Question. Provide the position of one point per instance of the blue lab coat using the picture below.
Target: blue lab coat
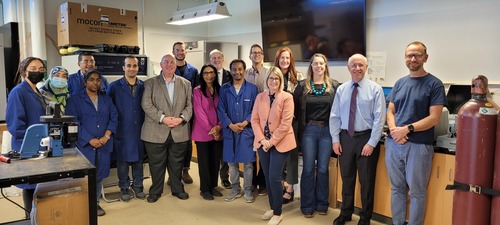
(93, 124)
(128, 146)
(236, 108)
(77, 84)
(24, 109)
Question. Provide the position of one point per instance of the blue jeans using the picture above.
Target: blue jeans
(122, 169)
(316, 150)
(408, 165)
(234, 176)
(272, 163)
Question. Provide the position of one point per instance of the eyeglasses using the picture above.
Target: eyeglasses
(93, 80)
(257, 53)
(208, 73)
(274, 78)
(417, 56)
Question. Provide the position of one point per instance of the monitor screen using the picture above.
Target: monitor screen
(386, 90)
(335, 28)
(457, 95)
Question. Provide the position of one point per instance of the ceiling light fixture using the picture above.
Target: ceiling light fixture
(211, 11)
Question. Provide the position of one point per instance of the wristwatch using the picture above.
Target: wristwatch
(411, 128)
(183, 119)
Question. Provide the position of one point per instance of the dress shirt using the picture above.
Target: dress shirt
(257, 77)
(370, 110)
(220, 73)
(170, 89)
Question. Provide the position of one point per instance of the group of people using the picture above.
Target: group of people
(109, 117)
(233, 115)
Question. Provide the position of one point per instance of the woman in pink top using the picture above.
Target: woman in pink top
(272, 117)
(207, 131)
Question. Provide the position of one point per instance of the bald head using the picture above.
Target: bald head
(357, 57)
(357, 66)
(168, 65)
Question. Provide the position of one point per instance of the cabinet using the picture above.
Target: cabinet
(439, 201)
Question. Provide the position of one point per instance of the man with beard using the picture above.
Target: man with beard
(126, 94)
(189, 72)
(86, 63)
(415, 105)
(234, 111)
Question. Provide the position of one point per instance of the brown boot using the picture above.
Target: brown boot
(186, 177)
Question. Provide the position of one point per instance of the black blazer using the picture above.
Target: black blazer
(226, 76)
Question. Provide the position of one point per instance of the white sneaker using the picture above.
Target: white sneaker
(275, 220)
(268, 215)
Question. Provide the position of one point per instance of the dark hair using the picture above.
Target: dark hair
(177, 43)
(255, 46)
(203, 84)
(89, 73)
(82, 54)
(129, 57)
(23, 66)
(237, 61)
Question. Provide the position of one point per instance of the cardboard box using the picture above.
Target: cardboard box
(62, 202)
(80, 24)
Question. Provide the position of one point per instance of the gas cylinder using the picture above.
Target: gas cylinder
(495, 201)
(475, 150)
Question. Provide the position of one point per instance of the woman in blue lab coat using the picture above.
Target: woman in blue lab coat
(25, 105)
(97, 120)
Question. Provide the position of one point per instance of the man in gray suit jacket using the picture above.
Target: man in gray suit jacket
(167, 105)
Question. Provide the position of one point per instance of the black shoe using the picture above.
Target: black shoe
(226, 184)
(153, 198)
(207, 195)
(181, 196)
(262, 190)
(288, 200)
(186, 177)
(216, 193)
(341, 220)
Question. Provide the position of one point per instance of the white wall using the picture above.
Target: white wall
(459, 34)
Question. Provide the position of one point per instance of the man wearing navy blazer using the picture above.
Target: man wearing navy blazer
(167, 106)
(189, 72)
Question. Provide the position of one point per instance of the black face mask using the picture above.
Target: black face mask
(36, 77)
